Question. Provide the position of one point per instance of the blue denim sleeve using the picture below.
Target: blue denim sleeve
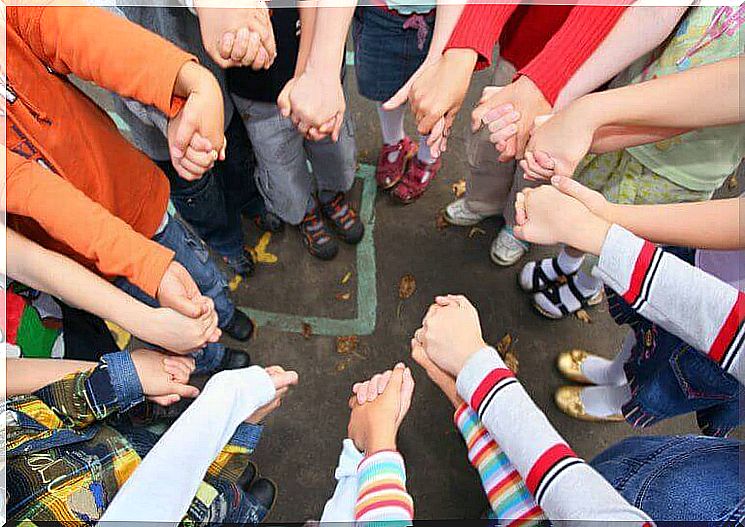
(124, 379)
(247, 435)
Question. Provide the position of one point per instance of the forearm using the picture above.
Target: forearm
(478, 29)
(25, 376)
(712, 92)
(307, 9)
(329, 35)
(447, 18)
(638, 31)
(563, 485)
(705, 225)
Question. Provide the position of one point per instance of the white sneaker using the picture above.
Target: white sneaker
(506, 250)
(459, 213)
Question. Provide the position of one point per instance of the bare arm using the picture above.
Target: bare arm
(447, 18)
(26, 376)
(307, 9)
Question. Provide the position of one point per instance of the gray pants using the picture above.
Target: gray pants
(283, 175)
(491, 186)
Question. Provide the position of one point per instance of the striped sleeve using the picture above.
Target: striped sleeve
(563, 485)
(381, 490)
(508, 496)
(700, 309)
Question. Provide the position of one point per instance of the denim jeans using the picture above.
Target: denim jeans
(680, 481)
(212, 205)
(192, 253)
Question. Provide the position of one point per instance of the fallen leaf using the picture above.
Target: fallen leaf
(474, 231)
(235, 282)
(307, 331)
(343, 297)
(584, 316)
(346, 345)
(440, 222)
(459, 188)
(504, 345)
(341, 366)
(346, 278)
(406, 286)
(260, 254)
(732, 182)
(510, 360)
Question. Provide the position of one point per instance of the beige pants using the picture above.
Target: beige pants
(491, 186)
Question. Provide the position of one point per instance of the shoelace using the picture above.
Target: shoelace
(314, 226)
(343, 214)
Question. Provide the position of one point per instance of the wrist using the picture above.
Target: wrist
(193, 78)
(589, 112)
(380, 439)
(463, 59)
(590, 234)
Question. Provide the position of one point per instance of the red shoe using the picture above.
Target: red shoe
(388, 174)
(416, 181)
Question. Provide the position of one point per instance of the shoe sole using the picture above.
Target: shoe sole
(461, 223)
(504, 263)
(595, 300)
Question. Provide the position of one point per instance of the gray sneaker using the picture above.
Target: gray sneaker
(459, 213)
(506, 250)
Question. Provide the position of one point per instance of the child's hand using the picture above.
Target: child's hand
(373, 426)
(450, 333)
(546, 216)
(178, 291)
(527, 103)
(283, 380)
(443, 380)
(164, 378)
(180, 334)
(501, 121)
(315, 103)
(199, 156)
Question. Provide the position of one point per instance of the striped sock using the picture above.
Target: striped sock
(508, 496)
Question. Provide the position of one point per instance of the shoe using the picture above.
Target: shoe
(416, 180)
(533, 279)
(317, 237)
(262, 495)
(568, 400)
(460, 214)
(247, 476)
(387, 173)
(242, 265)
(269, 222)
(343, 219)
(569, 364)
(240, 326)
(559, 302)
(234, 360)
(506, 250)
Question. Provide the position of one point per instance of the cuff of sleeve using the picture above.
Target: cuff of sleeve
(465, 419)
(479, 28)
(476, 370)
(124, 379)
(619, 256)
(247, 436)
(166, 101)
(385, 461)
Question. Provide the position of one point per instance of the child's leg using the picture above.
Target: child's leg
(604, 401)
(392, 126)
(602, 371)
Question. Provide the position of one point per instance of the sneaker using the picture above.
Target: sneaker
(343, 219)
(506, 250)
(242, 265)
(269, 222)
(387, 173)
(459, 213)
(416, 181)
(240, 326)
(317, 237)
(234, 360)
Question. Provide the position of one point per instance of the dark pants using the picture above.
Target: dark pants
(678, 481)
(213, 204)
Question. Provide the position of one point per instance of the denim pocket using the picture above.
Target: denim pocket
(700, 378)
(202, 204)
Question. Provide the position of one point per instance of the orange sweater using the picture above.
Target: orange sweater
(74, 184)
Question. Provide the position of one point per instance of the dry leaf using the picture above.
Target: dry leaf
(406, 286)
(732, 182)
(474, 231)
(584, 316)
(440, 222)
(235, 282)
(346, 278)
(459, 188)
(341, 366)
(510, 360)
(504, 345)
(307, 331)
(346, 345)
(343, 297)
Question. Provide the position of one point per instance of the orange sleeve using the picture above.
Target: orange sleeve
(101, 47)
(69, 216)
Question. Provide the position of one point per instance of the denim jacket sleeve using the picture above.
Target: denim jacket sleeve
(234, 457)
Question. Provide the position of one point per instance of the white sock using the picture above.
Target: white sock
(603, 401)
(424, 154)
(392, 127)
(604, 372)
(588, 285)
(567, 263)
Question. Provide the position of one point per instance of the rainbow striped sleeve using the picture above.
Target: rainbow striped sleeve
(508, 496)
(381, 490)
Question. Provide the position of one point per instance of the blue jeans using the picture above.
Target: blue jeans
(685, 480)
(191, 252)
(212, 205)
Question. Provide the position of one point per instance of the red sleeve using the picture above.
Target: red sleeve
(479, 28)
(583, 31)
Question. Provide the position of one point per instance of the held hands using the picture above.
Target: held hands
(283, 381)
(443, 380)
(164, 379)
(315, 102)
(180, 334)
(378, 409)
(178, 291)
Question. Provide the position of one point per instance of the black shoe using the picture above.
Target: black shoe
(343, 219)
(263, 493)
(248, 476)
(234, 360)
(243, 264)
(240, 326)
(269, 222)
(317, 237)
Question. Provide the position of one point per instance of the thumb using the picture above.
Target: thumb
(572, 188)
(186, 306)
(541, 120)
(184, 390)
(399, 98)
(397, 379)
(284, 379)
(477, 116)
(184, 132)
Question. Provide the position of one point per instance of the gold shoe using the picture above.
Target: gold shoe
(568, 400)
(569, 364)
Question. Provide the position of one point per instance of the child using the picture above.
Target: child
(316, 201)
(685, 168)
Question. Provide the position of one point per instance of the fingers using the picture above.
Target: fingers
(521, 216)
(509, 150)
(399, 98)
(165, 400)
(284, 379)
(427, 122)
(396, 381)
(535, 168)
(226, 45)
(417, 353)
(184, 390)
(374, 387)
(283, 101)
(488, 92)
(541, 120)
(241, 45)
(337, 127)
(407, 393)
(501, 135)
(184, 132)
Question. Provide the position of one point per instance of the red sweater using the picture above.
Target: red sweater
(546, 43)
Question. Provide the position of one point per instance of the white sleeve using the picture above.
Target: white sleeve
(162, 488)
(340, 508)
